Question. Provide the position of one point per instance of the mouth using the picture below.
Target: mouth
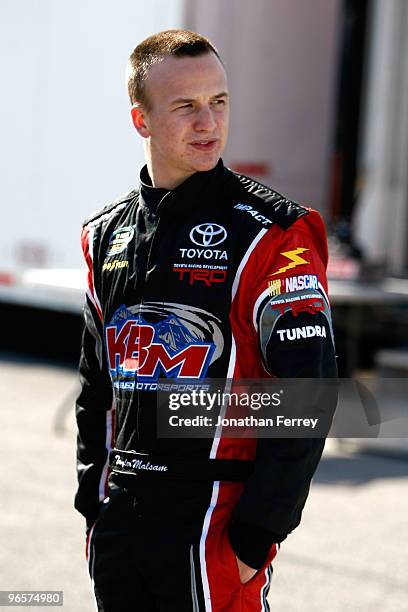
(204, 145)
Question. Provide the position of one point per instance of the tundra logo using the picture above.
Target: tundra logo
(309, 331)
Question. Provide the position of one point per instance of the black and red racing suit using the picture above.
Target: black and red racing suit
(181, 285)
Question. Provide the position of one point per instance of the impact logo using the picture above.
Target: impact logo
(255, 213)
(151, 341)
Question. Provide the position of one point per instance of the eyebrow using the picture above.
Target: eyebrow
(222, 94)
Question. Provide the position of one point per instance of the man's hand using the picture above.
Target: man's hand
(245, 572)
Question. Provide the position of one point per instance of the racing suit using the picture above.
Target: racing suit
(181, 285)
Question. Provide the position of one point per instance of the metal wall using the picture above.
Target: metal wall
(281, 59)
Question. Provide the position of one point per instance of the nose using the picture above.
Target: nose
(204, 119)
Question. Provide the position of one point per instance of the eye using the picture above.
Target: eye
(218, 102)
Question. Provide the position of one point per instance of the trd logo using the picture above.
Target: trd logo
(311, 306)
(208, 277)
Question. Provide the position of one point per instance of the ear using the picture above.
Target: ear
(138, 120)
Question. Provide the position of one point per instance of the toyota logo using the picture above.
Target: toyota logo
(208, 234)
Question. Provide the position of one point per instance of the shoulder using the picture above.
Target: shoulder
(265, 205)
(109, 211)
(288, 225)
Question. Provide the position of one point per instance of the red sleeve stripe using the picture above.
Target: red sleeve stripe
(87, 240)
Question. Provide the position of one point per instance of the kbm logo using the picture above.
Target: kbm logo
(147, 351)
(208, 234)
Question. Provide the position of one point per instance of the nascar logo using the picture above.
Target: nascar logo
(304, 281)
(293, 283)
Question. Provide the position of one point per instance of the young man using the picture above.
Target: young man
(183, 274)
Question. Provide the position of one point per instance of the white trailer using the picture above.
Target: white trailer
(67, 144)
(381, 219)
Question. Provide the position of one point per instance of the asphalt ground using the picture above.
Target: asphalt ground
(350, 553)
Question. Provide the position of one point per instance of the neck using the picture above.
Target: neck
(162, 180)
(159, 177)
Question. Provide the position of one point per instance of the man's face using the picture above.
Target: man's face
(187, 121)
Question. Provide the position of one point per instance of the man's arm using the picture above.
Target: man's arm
(275, 494)
(94, 411)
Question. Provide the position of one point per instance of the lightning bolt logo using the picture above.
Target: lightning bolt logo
(295, 260)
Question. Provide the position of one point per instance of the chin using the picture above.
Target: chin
(207, 164)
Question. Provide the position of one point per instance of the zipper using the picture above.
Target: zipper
(159, 206)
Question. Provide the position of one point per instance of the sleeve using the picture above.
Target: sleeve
(291, 317)
(94, 406)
